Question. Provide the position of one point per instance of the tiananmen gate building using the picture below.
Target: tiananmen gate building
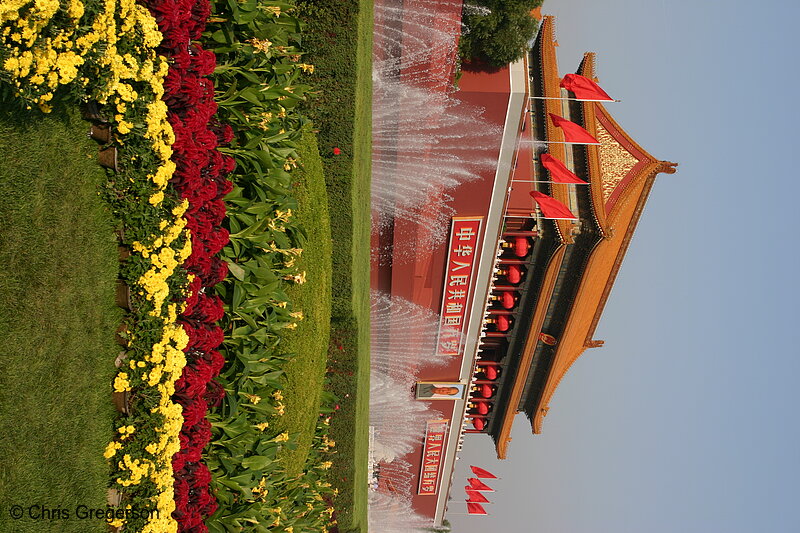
(519, 294)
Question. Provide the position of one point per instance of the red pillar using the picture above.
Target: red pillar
(521, 233)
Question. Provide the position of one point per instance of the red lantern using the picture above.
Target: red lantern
(521, 246)
(491, 372)
(502, 323)
(514, 274)
(507, 300)
(478, 424)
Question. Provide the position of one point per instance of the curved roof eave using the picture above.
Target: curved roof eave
(528, 350)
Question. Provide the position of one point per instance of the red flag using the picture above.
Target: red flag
(475, 497)
(572, 132)
(552, 208)
(558, 170)
(477, 484)
(475, 508)
(584, 88)
(480, 472)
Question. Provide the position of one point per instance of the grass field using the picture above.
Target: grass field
(57, 315)
(339, 36)
(309, 342)
(57, 321)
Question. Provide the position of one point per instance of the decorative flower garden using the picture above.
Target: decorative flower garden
(195, 103)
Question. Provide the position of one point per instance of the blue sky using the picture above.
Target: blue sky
(686, 419)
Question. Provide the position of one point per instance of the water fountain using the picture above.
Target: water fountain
(426, 144)
(392, 514)
(425, 141)
(403, 341)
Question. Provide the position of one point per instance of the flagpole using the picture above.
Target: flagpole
(563, 142)
(537, 216)
(562, 182)
(569, 99)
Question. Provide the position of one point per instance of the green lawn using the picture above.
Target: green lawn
(57, 320)
(339, 38)
(309, 342)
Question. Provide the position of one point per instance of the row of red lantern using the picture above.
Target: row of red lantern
(501, 319)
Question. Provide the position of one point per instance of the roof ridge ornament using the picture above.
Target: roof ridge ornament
(668, 167)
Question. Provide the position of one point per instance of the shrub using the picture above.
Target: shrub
(497, 32)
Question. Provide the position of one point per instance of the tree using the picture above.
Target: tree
(497, 31)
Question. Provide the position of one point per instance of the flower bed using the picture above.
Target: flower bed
(167, 193)
(105, 51)
(259, 84)
(200, 179)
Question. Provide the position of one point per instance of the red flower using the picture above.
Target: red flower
(181, 494)
(204, 62)
(337, 151)
(202, 476)
(217, 272)
(217, 361)
(194, 412)
(215, 393)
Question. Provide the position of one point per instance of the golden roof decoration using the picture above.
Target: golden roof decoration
(615, 161)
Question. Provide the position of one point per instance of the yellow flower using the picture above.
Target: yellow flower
(261, 45)
(121, 383)
(157, 198)
(111, 449)
(124, 127)
(283, 437)
(254, 398)
(297, 278)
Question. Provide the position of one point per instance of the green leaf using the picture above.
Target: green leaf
(256, 462)
(238, 295)
(236, 270)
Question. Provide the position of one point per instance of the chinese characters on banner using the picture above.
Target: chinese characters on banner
(461, 258)
(432, 456)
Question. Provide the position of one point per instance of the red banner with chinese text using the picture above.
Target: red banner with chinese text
(462, 257)
(435, 437)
